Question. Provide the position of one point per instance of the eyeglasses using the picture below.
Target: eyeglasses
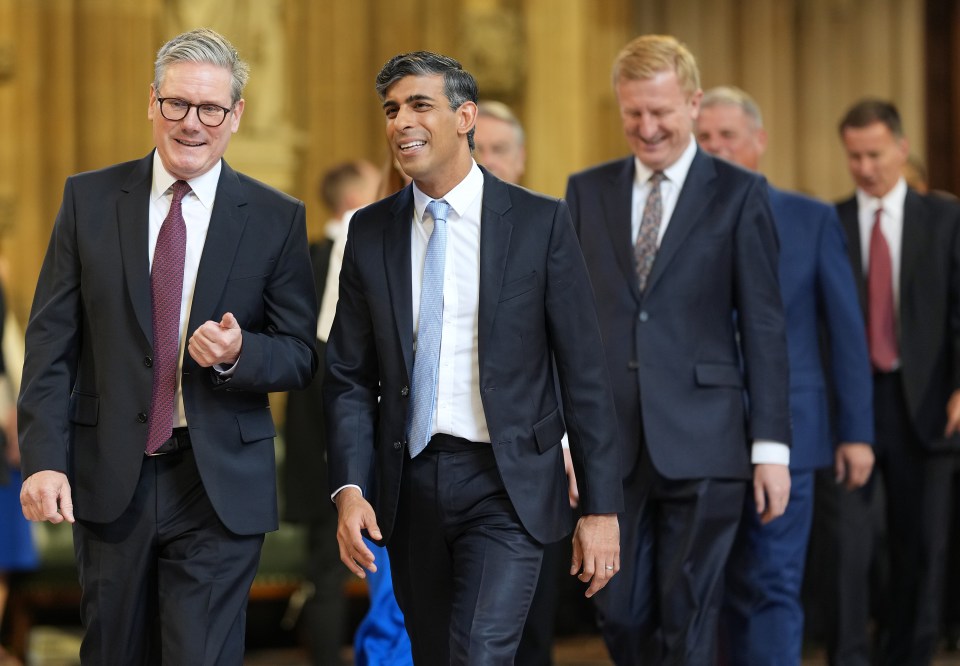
(211, 115)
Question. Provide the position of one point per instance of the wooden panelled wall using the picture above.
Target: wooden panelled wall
(75, 75)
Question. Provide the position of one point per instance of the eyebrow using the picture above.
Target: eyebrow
(411, 98)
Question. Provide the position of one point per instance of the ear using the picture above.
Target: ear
(235, 115)
(152, 108)
(762, 140)
(466, 117)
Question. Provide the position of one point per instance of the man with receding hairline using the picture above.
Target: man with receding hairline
(682, 255)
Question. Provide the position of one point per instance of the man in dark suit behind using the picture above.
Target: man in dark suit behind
(687, 340)
(466, 500)
(762, 620)
(175, 294)
(905, 251)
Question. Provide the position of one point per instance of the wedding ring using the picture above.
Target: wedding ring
(608, 567)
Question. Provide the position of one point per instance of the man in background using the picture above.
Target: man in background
(762, 620)
(682, 253)
(905, 251)
(344, 188)
(500, 141)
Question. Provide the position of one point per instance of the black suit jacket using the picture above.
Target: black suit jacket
(85, 394)
(707, 332)
(929, 312)
(535, 303)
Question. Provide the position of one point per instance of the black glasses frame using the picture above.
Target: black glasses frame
(161, 100)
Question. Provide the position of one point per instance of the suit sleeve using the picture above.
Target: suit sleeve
(843, 319)
(760, 318)
(351, 385)
(52, 342)
(282, 355)
(588, 406)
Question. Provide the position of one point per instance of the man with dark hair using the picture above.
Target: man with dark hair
(762, 618)
(174, 296)
(456, 294)
(905, 251)
(682, 253)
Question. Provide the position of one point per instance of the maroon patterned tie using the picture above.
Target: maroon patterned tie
(166, 289)
(881, 327)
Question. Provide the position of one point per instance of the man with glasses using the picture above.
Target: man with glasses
(175, 294)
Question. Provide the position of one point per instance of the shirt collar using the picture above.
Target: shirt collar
(891, 202)
(203, 186)
(459, 198)
(676, 173)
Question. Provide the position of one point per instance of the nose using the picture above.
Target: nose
(647, 126)
(191, 121)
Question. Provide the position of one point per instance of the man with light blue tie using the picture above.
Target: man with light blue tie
(762, 617)
(459, 295)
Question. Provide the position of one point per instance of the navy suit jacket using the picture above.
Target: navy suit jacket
(820, 295)
(708, 330)
(535, 304)
(87, 377)
(929, 314)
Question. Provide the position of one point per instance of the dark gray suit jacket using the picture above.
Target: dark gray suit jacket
(707, 335)
(535, 304)
(87, 378)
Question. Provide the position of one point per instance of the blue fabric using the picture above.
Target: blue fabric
(17, 550)
(427, 357)
(381, 638)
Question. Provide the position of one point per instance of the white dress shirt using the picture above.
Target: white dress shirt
(458, 411)
(197, 207)
(675, 175)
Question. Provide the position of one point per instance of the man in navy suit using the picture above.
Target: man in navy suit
(762, 621)
(465, 518)
(144, 417)
(905, 251)
(697, 355)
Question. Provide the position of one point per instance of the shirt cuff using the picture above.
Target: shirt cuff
(766, 452)
(226, 370)
(333, 495)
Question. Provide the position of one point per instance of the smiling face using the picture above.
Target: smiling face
(427, 137)
(657, 117)
(187, 147)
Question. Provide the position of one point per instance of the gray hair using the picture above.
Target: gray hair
(733, 96)
(500, 111)
(203, 46)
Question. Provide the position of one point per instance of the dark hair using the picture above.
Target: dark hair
(459, 86)
(869, 111)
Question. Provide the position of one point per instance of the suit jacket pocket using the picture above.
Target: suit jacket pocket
(256, 425)
(549, 431)
(84, 408)
(518, 287)
(252, 269)
(719, 374)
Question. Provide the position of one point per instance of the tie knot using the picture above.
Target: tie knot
(657, 178)
(438, 210)
(180, 189)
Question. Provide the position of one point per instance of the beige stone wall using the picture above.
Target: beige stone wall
(75, 75)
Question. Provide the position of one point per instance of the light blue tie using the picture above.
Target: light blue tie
(426, 361)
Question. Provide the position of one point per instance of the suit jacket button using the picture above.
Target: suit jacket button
(147, 361)
(142, 417)
(405, 391)
(644, 316)
(397, 446)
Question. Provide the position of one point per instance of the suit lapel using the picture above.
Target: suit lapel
(850, 220)
(495, 231)
(911, 240)
(227, 222)
(396, 251)
(133, 222)
(617, 202)
(698, 191)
